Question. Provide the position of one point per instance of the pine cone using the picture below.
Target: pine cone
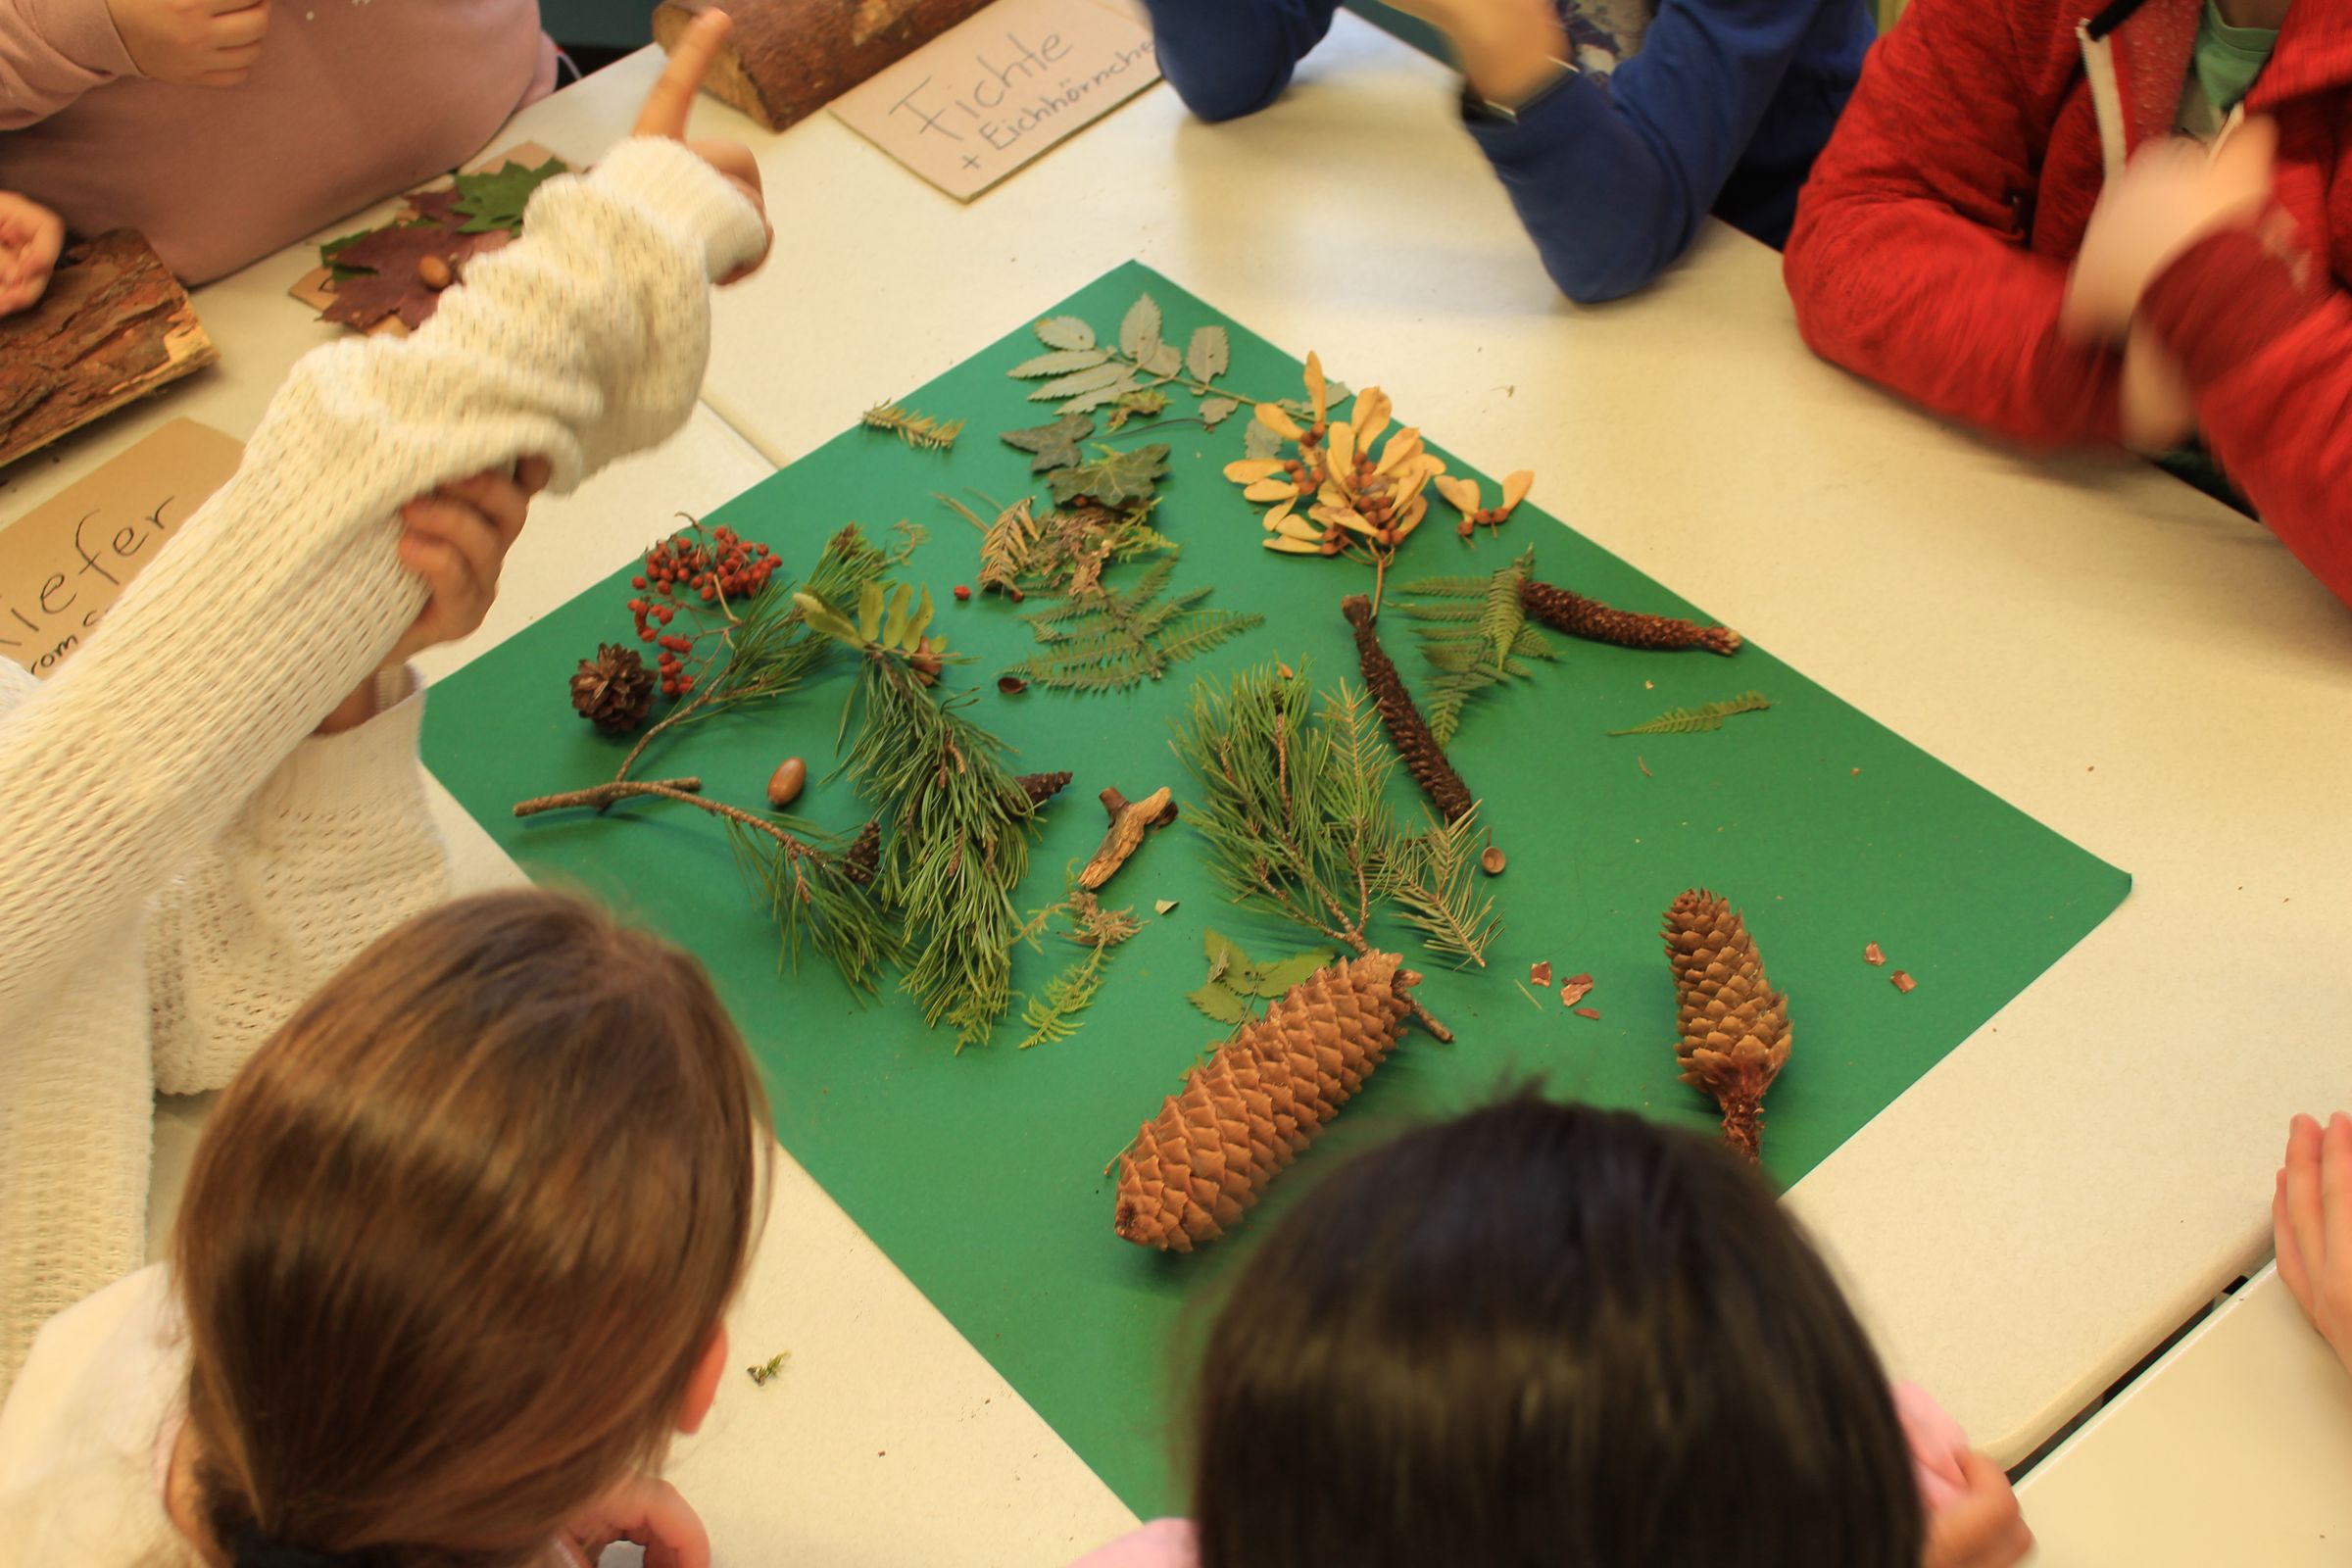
(1734, 1027)
(1199, 1165)
(1042, 787)
(865, 855)
(1423, 757)
(612, 690)
(1596, 621)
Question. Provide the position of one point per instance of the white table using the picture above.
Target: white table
(2134, 665)
(2235, 1448)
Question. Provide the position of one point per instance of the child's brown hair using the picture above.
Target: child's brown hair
(458, 1238)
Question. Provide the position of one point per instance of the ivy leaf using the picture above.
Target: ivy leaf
(1087, 380)
(1115, 478)
(1138, 332)
(496, 199)
(1208, 354)
(1216, 410)
(1278, 979)
(1066, 332)
(1695, 720)
(1055, 444)
(1221, 1004)
(1062, 362)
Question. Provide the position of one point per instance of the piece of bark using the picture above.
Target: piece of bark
(113, 326)
(1130, 820)
(787, 59)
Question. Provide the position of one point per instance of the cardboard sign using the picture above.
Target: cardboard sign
(61, 565)
(982, 99)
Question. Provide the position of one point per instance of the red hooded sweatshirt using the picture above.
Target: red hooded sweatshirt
(1931, 247)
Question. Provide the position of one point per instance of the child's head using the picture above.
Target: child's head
(456, 1248)
(1546, 1333)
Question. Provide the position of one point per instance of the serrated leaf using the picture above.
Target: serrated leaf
(1706, 716)
(1066, 332)
(1216, 410)
(1139, 329)
(1223, 953)
(1114, 479)
(1055, 444)
(870, 610)
(1164, 360)
(1062, 362)
(1101, 395)
(1087, 380)
(1276, 980)
(894, 622)
(1220, 1004)
(1208, 354)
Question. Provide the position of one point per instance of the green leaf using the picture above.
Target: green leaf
(1062, 362)
(920, 624)
(870, 611)
(826, 618)
(1066, 332)
(1277, 980)
(1115, 478)
(496, 199)
(1695, 720)
(894, 624)
(1208, 354)
(1089, 380)
(1164, 360)
(1221, 1004)
(1216, 410)
(1139, 331)
(1101, 395)
(1055, 444)
(1224, 954)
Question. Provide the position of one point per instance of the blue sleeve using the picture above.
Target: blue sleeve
(1228, 58)
(1613, 177)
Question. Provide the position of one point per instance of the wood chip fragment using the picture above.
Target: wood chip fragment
(1540, 973)
(1903, 981)
(1593, 1013)
(1578, 987)
(1872, 954)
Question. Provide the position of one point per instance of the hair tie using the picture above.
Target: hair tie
(253, 1550)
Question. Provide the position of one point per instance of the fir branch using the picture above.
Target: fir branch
(1432, 875)
(1695, 721)
(919, 430)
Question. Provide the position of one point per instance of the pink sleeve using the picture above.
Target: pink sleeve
(1161, 1544)
(51, 53)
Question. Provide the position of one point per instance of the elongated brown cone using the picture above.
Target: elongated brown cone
(1201, 1164)
(1423, 757)
(1734, 1027)
(1042, 787)
(1595, 622)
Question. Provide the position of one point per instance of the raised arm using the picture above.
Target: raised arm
(1908, 265)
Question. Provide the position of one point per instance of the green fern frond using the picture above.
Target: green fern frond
(1052, 1014)
(1446, 588)
(1695, 721)
(1503, 615)
(1443, 612)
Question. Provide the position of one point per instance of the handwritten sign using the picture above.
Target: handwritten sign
(61, 565)
(983, 98)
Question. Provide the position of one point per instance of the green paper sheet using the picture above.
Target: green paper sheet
(980, 1175)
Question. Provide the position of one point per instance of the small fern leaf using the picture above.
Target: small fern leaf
(1696, 721)
(1446, 588)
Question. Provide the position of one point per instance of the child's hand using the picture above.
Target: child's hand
(645, 1512)
(31, 236)
(673, 98)
(196, 43)
(2171, 195)
(2159, 409)
(1506, 49)
(2311, 1212)
(1981, 1528)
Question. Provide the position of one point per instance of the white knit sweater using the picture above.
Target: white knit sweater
(182, 866)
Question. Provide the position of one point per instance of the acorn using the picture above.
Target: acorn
(434, 273)
(785, 784)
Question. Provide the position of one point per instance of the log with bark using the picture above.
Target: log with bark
(787, 59)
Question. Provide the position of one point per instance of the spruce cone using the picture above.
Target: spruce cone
(612, 690)
(1423, 757)
(1042, 787)
(1199, 1165)
(1596, 621)
(1734, 1027)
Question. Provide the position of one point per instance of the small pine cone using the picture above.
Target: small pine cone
(1734, 1027)
(1423, 757)
(1042, 787)
(1201, 1164)
(612, 690)
(1596, 621)
(864, 856)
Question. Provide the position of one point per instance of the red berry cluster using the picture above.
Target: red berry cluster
(684, 565)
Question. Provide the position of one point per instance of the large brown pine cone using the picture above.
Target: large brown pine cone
(1589, 619)
(614, 690)
(1200, 1164)
(1734, 1027)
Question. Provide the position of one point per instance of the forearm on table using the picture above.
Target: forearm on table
(584, 340)
(51, 53)
(1228, 58)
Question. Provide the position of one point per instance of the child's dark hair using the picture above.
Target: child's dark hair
(1546, 1335)
(458, 1238)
